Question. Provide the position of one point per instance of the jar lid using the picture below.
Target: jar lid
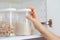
(13, 9)
(8, 9)
(20, 10)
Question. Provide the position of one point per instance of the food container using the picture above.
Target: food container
(6, 26)
(23, 26)
(14, 22)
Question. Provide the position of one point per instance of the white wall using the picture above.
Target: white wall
(53, 11)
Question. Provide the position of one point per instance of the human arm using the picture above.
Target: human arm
(37, 24)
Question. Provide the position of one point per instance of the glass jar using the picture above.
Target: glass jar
(13, 22)
(23, 26)
(6, 26)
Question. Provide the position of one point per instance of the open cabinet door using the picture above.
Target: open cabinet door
(53, 12)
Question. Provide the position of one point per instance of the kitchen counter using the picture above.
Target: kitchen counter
(30, 37)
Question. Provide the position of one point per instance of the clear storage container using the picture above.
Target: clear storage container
(23, 26)
(13, 22)
(6, 27)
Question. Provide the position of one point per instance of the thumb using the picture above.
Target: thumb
(30, 18)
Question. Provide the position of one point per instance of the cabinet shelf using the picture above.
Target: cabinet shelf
(20, 37)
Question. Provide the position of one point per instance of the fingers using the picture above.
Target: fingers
(29, 17)
(33, 12)
(32, 9)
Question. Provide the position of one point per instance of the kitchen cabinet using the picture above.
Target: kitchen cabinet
(41, 10)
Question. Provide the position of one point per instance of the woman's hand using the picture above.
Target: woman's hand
(34, 18)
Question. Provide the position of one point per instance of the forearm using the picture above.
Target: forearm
(44, 31)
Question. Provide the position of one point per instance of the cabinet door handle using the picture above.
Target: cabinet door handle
(49, 23)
